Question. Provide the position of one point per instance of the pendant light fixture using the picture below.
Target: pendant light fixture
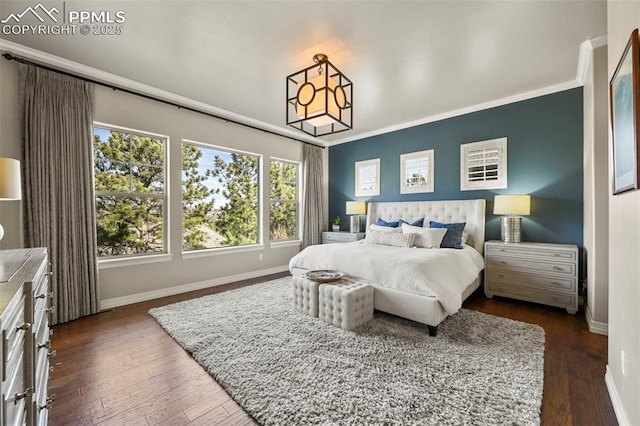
(319, 99)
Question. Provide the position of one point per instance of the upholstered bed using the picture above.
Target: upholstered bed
(423, 307)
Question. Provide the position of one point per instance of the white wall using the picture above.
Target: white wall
(596, 181)
(10, 146)
(126, 284)
(624, 253)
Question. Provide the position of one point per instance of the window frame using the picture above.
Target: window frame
(359, 165)
(499, 144)
(429, 185)
(165, 254)
(297, 201)
(259, 244)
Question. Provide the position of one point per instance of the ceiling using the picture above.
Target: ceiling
(408, 60)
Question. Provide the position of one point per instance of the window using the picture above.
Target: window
(367, 178)
(283, 201)
(483, 165)
(129, 172)
(416, 172)
(220, 194)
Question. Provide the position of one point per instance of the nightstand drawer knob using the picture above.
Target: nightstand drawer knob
(557, 268)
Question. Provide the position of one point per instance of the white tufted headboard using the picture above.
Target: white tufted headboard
(470, 211)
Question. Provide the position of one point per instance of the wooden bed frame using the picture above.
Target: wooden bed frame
(427, 309)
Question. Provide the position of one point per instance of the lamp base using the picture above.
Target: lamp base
(510, 229)
(354, 227)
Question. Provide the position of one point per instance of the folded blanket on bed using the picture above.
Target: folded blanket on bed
(442, 273)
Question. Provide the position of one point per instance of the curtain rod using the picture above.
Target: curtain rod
(10, 57)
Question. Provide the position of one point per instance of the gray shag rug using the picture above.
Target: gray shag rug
(286, 368)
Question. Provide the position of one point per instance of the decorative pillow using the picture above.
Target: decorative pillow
(425, 237)
(453, 237)
(394, 239)
(381, 222)
(419, 222)
(379, 228)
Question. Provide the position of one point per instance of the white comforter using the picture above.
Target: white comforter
(442, 273)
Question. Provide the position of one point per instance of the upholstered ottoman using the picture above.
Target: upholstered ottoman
(347, 303)
(305, 296)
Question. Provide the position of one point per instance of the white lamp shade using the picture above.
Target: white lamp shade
(356, 207)
(10, 179)
(516, 205)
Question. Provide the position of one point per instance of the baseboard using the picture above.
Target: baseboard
(621, 415)
(596, 326)
(170, 291)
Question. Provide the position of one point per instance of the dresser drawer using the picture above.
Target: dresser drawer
(14, 399)
(529, 253)
(531, 265)
(546, 282)
(562, 300)
(13, 335)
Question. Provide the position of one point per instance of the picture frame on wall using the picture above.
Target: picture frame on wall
(416, 172)
(624, 106)
(367, 178)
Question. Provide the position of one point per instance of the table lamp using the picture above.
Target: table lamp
(9, 182)
(514, 206)
(356, 208)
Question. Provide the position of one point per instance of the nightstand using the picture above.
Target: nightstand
(535, 272)
(341, 237)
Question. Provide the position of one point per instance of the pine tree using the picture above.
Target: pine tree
(283, 214)
(129, 164)
(237, 220)
(197, 204)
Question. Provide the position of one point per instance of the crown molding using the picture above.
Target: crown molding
(586, 53)
(66, 65)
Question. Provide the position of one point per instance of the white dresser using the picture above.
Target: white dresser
(535, 272)
(25, 304)
(341, 237)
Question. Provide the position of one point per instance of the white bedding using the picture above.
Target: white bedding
(442, 273)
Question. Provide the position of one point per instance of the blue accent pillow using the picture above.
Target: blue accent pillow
(381, 222)
(419, 222)
(453, 237)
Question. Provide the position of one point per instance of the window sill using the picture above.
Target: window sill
(131, 261)
(282, 244)
(221, 251)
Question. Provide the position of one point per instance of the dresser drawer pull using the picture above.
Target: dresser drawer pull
(18, 396)
(502, 262)
(24, 326)
(555, 282)
(50, 400)
(51, 369)
(557, 268)
(50, 332)
(555, 299)
(51, 354)
(41, 296)
(51, 310)
(46, 345)
(50, 273)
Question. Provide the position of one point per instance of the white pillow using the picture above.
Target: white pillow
(373, 227)
(391, 239)
(426, 237)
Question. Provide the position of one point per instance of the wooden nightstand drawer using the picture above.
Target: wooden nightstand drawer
(534, 295)
(341, 237)
(532, 265)
(541, 251)
(546, 282)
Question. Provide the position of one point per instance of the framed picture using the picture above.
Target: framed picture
(368, 178)
(416, 172)
(625, 106)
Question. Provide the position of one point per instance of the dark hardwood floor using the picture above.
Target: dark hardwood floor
(120, 367)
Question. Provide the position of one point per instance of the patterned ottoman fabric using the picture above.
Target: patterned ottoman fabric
(347, 303)
(305, 296)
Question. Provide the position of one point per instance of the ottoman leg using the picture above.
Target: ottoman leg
(433, 330)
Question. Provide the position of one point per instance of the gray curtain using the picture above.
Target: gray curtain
(313, 216)
(58, 204)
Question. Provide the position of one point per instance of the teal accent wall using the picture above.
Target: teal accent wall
(544, 153)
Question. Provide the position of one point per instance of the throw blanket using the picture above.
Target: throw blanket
(442, 273)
